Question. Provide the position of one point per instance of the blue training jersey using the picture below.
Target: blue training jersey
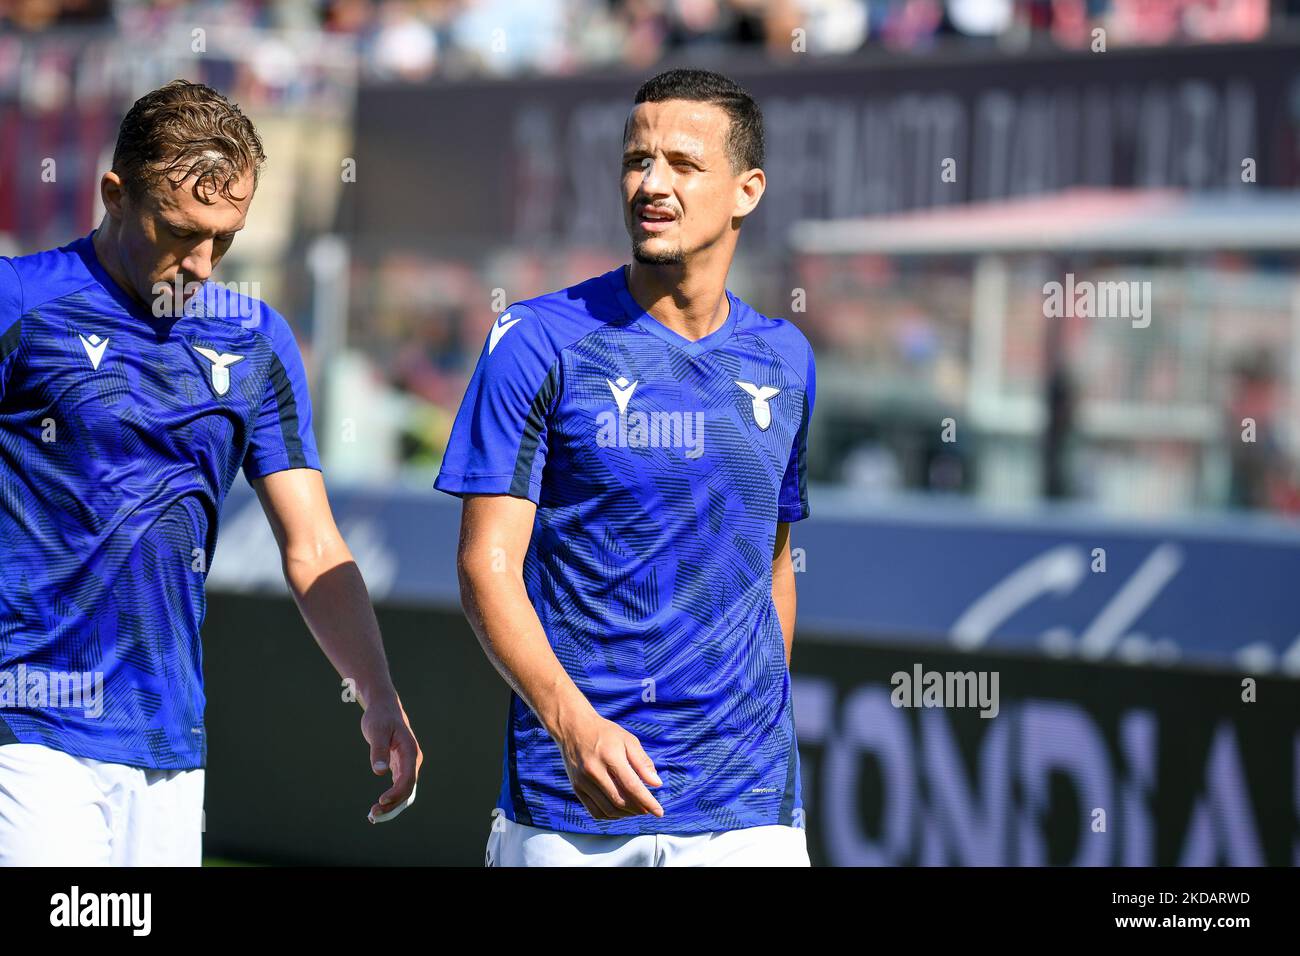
(120, 435)
(660, 468)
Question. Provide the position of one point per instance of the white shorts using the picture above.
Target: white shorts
(61, 810)
(515, 844)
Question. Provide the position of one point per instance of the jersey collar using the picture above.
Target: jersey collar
(652, 325)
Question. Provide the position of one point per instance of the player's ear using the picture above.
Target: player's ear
(749, 190)
(113, 193)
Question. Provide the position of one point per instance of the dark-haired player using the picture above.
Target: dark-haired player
(630, 452)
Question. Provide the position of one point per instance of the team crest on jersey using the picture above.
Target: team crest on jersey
(761, 394)
(221, 362)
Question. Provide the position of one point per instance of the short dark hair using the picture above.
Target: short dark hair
(181, 130)
(745, 135)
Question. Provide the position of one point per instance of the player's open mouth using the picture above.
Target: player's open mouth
(652, 219)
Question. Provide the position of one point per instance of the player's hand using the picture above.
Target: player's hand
(392, 747)
(609, 769)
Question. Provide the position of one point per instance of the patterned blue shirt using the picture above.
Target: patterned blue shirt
(660, 468)
(120, 435)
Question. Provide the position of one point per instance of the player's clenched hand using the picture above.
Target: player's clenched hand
(392, 746)
(609, 769)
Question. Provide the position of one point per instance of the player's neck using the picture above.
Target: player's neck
(106, 252)
(691, 302)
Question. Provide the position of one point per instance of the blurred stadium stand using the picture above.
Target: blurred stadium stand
(413, 40)
(432, 162)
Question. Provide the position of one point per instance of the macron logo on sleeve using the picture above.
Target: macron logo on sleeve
(499, 328)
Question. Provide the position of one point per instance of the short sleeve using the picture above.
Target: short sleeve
(498, 441)
(11, 313)
(793, 503)
(282, 430)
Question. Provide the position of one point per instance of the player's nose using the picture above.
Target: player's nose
(654, 178)
(198, 264)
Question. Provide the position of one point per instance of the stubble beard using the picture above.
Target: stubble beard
(670, 257)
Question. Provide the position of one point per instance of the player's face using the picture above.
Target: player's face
(680, 194)
(170, 234)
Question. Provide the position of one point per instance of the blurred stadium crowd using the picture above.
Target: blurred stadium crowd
(415, 39)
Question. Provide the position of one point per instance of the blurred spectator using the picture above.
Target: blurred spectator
(29, 16)
(402, 44)
(1258, 464)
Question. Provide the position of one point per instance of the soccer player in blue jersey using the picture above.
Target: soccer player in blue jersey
(126, 411)
(631, 452)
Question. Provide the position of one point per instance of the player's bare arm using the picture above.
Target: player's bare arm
(332, 596)
(783, 591)
(607, 765)
(606, 562)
